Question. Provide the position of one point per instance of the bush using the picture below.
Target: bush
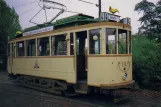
(146, 62)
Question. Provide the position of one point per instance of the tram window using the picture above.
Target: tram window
(43, 46)
(13, 49)
(20, 48)
(110, 41)
(9, 52)
(71, 44)
(31, 47)
(94, 43)
(130, 43)
(52, 46)
(77, 46)
(60, 45)
(122, 42)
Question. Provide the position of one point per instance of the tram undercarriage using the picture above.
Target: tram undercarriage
(60, 87)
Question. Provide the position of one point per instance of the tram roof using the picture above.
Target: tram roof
(71, 21)
(75, 20)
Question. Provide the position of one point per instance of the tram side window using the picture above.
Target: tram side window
(94, 43)
(59, 45)
(130, 42)
(71, 44)
(31, 47)
(9, 52)
(110, 41)
(20, 48)
(43, 46)
(13, 49)
(122, 41)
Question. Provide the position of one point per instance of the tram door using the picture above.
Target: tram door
(81, 59)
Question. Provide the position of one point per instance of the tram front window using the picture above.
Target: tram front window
(122, 41)
(94, 44)
(110, 41)
(130, 42)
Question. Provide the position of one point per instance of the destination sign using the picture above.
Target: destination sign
(109, 17)
(126, 21)
(37, 31)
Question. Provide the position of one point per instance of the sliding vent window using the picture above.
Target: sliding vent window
(59, 45)
(43, 46)
(20, 48)
(94, 44)
(110, 41)
(31, 47)
(122, 42)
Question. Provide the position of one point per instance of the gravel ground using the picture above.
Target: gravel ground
(13, 95)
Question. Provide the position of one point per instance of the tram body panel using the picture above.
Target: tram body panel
(99, 70)
(9, 67)
(55, 68)
(109, 70)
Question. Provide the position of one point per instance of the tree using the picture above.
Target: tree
(146, 62)
(151, 19)
(9, 20)
(9, 24)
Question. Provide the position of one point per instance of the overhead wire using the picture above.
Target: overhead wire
(28, 10)
(45, 12)
(42, 8)
(72, 12)
(88, 2)
(26, 4)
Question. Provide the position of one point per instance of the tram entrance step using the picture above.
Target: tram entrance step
(81, 87)
(82, 81)
(81, 91)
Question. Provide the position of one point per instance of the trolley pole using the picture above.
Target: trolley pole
(99, 6)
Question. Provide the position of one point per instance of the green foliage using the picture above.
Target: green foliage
(9, 20)
(111, 47)
(146, 62)
(122, 45)
(151, 19)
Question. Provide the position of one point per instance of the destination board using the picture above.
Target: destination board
(109, 17)
(37, 31)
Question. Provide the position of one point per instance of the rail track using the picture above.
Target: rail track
(49, 97)
(88, 100)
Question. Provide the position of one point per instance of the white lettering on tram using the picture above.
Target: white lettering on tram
(46, 29)
(107, 16)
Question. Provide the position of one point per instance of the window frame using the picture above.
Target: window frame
(130, 42)
(9, 50)
(35, 39)
(13, 49)
(89, 41)
(53, 44)
(124, 42)
(17, 49)
(38, 43)
(71, 42)
(106, 40)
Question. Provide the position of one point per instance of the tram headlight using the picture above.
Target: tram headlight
(125, 75)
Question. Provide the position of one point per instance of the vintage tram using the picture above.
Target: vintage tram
(77, 54)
